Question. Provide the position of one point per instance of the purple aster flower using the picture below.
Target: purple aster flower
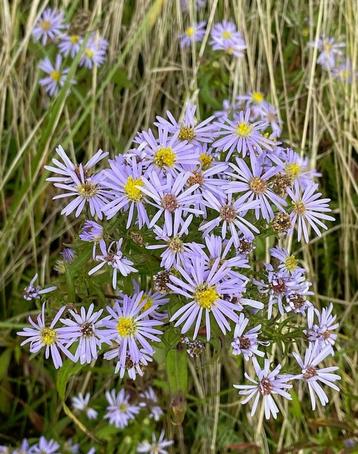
(49, 26)
(230, 219)
(167, 154)
(68, 254)
(270, 115)
(287, 262)
(114, 259)
(246, 344)
(125, 182)
(268, 385)
(71, 447)
(156, 446)
(86, 329)
(322, 332)
(254, 183)
(94, 53)
(168, 197)
(150, 401)
(205, 289)
(131, 328)
(34, 292)
(224, 36)
(92, 232)
(307, 211)
(46, 446)
(242, 136)
(298, 303)
(24, 448)
(255, 101)
(239, 300)
(41, 336)
(119, 411)
(329, 49)
(56, 76)
(188, 129)
(133, 368)
(312, 375)
(193, 34)
(81, 404)
(296, 168)
(345, 71)
(151, 298)
(70, 45)
(65, 169)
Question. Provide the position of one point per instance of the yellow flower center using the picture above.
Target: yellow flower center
(165, 157)
(132, 188)
(126, 326)
(89, 52)
(293, 169)
(123, 407)
(206, 296)
(257, 97)
(149, 302)
(299, 207)
(45, 25)
(291, 263)
(243, 129)
(205, 160)
(74, 39)
(48, 336)
(87, 190)
(327, 47)
(345, 74)
(226, 34)
(55, 75)
(189, 32)
(257, 185)
(186, 133)
(175, 244)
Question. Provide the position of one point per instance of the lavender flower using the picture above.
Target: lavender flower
(224, 36)
(49, 26)
(94, 52)
(270, 116)
(296, 168)
(329, 49)
(150, 400)
(115, 260)
(345, 71)
(268, 385)
(322, 332)
(156, 446)
(307, 211)
(86, 329)
(92, 232)
(70, 45)
(34, 292)
(132, 367)
(205, 290)
(247, 343)
(287, 262)
(81, 404)
(46, 446)
(312, 375)
(193, 34)
(119, 410)
(255, 101)
(56, 76)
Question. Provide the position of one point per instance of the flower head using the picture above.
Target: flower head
(81, 404)
(56, 76)
(34, 292)
(49, 26)
(192, 34)
(94, 53)
(156, 446)
(119, 410)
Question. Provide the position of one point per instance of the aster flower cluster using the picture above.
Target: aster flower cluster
(332, 58)
(51, 27)
(192, 196)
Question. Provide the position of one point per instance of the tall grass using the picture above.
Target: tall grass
(146, 74)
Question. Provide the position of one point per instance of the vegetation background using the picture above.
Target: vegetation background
(145, 74)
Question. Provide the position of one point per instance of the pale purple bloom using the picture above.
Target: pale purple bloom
(188, 129)
(255, 101)
(115, 259)
(92, 232)
(298, 303)
(322, 332)
(24, 448)
(131, 328)
(125, 182)
(46, 446)
(267, 385)
(297, 168)
(119, 411)
(81, 404)
(345, 71)
(230, 219)
(35, 291)
(168, 197)
(129, 365)
(312, 375)
(242, 136)
(49, 26)
(70, 446)
(206, 181)
(156, 446)
(308, 210)
(70, 45)
(254, 183)
(329, 49)
(152, 298)
(68, 255)
(41, 336)
(205, 290)
(86, 329)
(287, 262)
(194, 33)
(246, 343)
(56, 76)
(150, 401)
(94, 53)
(224, 36)
(270, 115)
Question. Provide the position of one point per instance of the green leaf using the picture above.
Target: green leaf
(68, 370)
(177, 371)
(4, 363)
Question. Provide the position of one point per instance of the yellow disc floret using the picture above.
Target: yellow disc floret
(165, 157)
(243, 129)
(205, 160)
(126, 326)
(74, 39)
(189, 32)
(132, 188)
(48, 336)
(226, 34)
(291, 263)
(89, 52)
(293, 169)
(55, 75)
(87, 190)
(299, 207)
(45, 25)
(206, 296)
(257, 97)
